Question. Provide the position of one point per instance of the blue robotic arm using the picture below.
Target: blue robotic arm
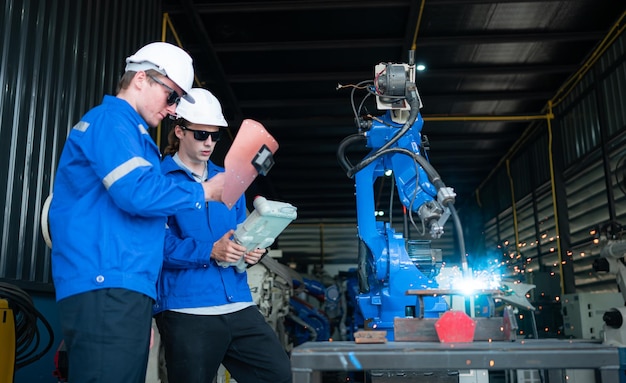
(396, 143)
(386, 270)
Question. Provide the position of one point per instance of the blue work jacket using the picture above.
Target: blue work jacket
(190, 277)
(110, 204)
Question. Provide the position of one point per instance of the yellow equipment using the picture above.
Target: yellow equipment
(20, 338)
(7, 342)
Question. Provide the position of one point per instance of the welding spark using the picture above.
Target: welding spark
(478, 280)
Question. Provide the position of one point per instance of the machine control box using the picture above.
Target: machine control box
(582, 313)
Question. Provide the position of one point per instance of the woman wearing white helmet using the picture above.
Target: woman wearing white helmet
(205, 312)
(108, 214)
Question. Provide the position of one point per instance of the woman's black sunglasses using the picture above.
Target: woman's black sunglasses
(202, 135)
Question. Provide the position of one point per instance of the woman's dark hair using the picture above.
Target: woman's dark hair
(173, 143)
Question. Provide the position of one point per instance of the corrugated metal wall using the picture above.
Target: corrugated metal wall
(57, 59)
(590, 124)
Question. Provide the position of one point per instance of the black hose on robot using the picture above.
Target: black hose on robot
(27, 335)
(434, 177)
(458, 229)
(413, 101)
(343, 145)
(436, 180)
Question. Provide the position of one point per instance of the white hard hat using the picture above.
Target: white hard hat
(206, 110)
(167, 59)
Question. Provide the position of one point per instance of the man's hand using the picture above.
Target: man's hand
(213, 188)
(227, 250)
(254, 256)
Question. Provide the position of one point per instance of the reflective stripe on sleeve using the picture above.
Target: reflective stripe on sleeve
(81, 126)
(123, 170)
(143, 129)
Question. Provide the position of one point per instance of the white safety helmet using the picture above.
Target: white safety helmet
(206, 110)
(167, 59)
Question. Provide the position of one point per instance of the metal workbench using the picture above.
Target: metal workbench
(309, 359)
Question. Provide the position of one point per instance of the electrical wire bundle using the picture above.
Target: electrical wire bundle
(27, 335)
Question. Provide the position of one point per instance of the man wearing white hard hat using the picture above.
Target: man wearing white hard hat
(108, 215)
(205, 312)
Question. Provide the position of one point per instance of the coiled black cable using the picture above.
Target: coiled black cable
(27, 336)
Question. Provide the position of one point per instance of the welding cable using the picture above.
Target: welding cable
(414, 103)
(459, 235)
(360, 85)
(341, 150)
(433, 175)
(436, 180)
(27, 335)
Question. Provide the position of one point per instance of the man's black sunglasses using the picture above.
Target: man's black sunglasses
(202, 135)
(173, 97)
